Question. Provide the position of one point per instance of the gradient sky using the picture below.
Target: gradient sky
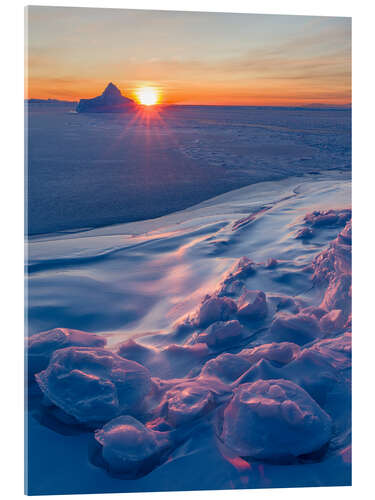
(193, 58)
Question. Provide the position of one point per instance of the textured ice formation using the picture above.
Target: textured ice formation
(252, 305)
(130, 349)
(187, 402)
(323, 370)
(332, 321)
(338, 294)
(231, 288)
(305, 233)
(232, 281)
(226, 367)
(298, 328)
(268, 361)
(244, 268)
(281, 302)
(229, 367)
(178, 361)
(215, 309)
(336, 351)
(317, 312)
(169, 362)
(274, 420)
(332, 269)
(41, 346)
(320, 218)
(334, 261)
(129, 448)
(281, 353)
(93, 384)
(222, 333)
(345, 236)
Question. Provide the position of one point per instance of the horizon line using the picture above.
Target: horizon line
(294, 105)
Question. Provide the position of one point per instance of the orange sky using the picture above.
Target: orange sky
(192, 58)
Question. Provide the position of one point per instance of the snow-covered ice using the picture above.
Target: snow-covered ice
(210, 340)
(41, 346)
(222, 332)
(130, 448)
(274, 420)
(93, 384)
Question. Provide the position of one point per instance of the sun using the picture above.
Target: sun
(148, 96)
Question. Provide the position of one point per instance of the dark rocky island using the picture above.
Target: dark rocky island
(110, 101)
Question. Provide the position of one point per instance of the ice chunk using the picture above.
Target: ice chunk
(334, 261)
(323, 370)
(332, 268)
(231, 288)
(130, 448)
(274, 420)
(191, 399)
(93, 384)
(188, 401)
(331, 217)
(336, 351)
(318, 312)
(252, 305)
(297, 328)
(278, 302)
(332, 321)
(266, 361)
(215, 309)
(130, 349)
(242, 269)
(338, 294)
(282, 352)
(179, 360)
(227, 367)
(41, 346)
(345, 236)
(221, 333)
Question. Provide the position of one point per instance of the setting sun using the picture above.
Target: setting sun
(147, 96)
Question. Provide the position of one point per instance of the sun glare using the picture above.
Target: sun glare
(148, 96)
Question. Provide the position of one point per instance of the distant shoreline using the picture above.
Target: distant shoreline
(56, 102)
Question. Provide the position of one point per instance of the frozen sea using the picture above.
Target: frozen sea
(90, 170)
(179, 238)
